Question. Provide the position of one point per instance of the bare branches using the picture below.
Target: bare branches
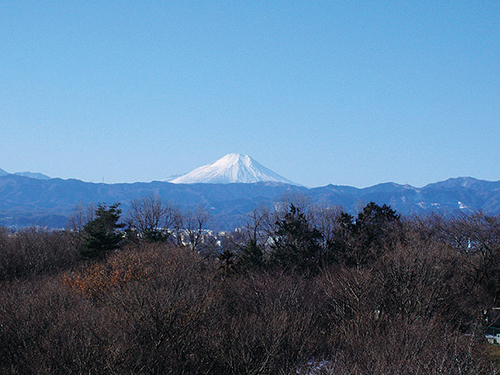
(82, 214)
(416, 307)
(151, 218)
(195, 223)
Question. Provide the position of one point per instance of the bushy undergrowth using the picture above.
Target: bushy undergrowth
(32, 252)
(415, 307)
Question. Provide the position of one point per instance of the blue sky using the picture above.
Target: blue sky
(342, 92)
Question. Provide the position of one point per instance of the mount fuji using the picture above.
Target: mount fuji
(232, 168)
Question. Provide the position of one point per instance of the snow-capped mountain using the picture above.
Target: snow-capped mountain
(232, 168)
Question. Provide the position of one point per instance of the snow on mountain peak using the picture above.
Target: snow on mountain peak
(232, 168)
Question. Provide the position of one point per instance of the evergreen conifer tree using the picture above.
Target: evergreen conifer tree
(102, 234)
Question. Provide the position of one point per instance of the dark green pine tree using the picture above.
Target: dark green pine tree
(374, 222)
(296, 243)
(102, 234)
(362, 240)
(251, 256)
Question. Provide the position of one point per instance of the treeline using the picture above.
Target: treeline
(301, 289)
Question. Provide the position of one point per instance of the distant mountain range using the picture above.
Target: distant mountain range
(230, 189)
(28, 201)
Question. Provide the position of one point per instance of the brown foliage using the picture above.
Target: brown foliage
(94, 279)
(153, 309)
(32, 251)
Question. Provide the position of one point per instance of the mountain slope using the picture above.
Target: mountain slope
(26, 174)
(232, 168)
(36, 175)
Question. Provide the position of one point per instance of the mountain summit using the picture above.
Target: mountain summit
(232, 168)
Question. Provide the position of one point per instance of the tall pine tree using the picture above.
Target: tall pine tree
(102, 234)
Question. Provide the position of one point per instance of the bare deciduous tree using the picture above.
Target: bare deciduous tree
(151, 217)
(258, 225)
(82, 214)
(195, 225)
(326, 219)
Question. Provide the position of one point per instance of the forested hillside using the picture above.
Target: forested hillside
(302, 289)
(27, 201)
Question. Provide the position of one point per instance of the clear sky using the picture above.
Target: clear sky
(343, 92)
